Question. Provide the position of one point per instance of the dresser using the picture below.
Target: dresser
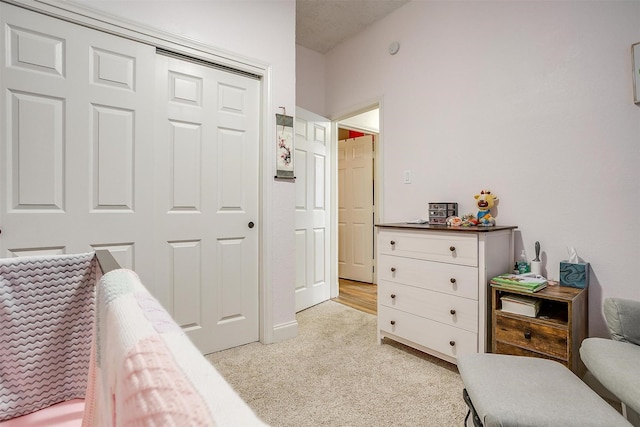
(433, 285)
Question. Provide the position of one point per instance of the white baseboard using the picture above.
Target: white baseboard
(285, 331)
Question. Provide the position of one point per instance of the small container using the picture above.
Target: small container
(536, 267)
(523, 265)
(440, 211)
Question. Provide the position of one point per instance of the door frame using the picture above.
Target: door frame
(91, 18)
(378, 179)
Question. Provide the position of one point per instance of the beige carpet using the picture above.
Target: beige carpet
(335, 374)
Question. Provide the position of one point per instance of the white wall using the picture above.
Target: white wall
(310, 80)
(264, 31)
(532, 100)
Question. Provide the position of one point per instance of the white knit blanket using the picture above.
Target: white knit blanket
(46, 312)
(144, 370)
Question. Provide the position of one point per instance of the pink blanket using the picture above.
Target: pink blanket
(144, 370)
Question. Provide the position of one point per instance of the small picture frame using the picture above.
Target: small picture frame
(635, 60)
(284, 147)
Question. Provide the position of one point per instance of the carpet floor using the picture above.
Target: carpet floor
(335, 374)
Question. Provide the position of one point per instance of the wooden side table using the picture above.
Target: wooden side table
(555, 333)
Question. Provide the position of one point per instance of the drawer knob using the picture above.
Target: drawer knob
(452, 311)
(452, 280)
(452, 248)
(527, 335)
(452, 343)
(393, 269)
(393, 242)
(393, 322)
(393, 296)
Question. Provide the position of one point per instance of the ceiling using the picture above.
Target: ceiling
(323, 24)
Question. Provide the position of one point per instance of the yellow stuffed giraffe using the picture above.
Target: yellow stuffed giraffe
(485, 202)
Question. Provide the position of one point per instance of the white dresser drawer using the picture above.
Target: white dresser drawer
(452, 279)
(443, 308)
(454, 248)
(445, 339)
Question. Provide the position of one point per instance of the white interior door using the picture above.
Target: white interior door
(76, 141)
(313, 231)
(207, 201)
(355, 209)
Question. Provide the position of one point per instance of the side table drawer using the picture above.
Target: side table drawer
(453, 248)
(444, 339)
(503, 348)
(539, 338)
(452, 279)
(443, 308)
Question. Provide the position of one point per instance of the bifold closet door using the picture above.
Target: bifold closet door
(76, 141)
(207, 224)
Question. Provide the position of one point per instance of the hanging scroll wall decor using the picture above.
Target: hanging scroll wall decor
(284, 147)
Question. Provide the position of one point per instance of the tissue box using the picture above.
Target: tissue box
(575, 275)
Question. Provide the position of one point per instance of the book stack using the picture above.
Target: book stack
(520, 282)
(520, 304)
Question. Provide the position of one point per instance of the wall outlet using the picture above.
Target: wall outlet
(407, 177)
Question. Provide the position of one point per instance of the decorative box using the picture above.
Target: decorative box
(440, 211)
(575, 275)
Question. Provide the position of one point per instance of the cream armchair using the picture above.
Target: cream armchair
(615, 362)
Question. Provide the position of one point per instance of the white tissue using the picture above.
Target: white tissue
(573, 255)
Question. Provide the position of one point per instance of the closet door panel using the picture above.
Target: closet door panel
(76, 142)
(207, 219)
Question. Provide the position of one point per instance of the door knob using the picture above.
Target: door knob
(251, 224)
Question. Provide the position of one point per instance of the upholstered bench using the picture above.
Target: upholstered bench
(503, 390)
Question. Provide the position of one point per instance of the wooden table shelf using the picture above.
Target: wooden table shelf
(555, 333)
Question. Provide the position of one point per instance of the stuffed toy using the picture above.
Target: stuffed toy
(468, 220)
(485, 202)
(454, 221)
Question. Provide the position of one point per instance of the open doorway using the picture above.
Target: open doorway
(358, 142)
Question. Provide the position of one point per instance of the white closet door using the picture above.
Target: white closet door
(106, 145)
(207, 201)
(76, 140)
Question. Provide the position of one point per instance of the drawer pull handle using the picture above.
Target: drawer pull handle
(393, 242)
(452, 280)
(393, 296)
(452, 248)
(527, 335)
(452, 311)
(452, 343)
(393, 322)
(393, 269)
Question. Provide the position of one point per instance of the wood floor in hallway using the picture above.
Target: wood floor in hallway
(358, 295)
